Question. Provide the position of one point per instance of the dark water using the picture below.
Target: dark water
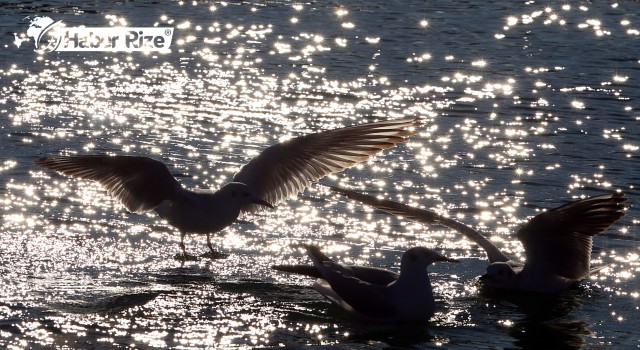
(527, 105)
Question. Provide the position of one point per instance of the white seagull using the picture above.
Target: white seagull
(374, 294)
(279, 172)
(557, 242)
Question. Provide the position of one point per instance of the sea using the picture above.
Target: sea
(525, 106)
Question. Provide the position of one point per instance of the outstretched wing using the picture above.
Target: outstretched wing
(559, 240)
(285, 169)
(139, 183)
(426, 217)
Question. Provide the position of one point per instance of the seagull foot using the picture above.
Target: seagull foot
(214, 255)
(183, 257)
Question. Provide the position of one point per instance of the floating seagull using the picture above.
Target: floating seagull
(374, 294)
(557, 242)
(279, 172)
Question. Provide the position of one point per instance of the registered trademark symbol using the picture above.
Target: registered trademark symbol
(167, 32)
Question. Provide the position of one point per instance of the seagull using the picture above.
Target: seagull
(279, 172)
(374, 294)
(557, 242)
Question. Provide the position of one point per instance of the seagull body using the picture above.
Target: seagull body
(279, 172)
(193, 211)
(374, 294)
(557, 242)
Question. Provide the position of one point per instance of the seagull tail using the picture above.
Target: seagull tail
(306, 270)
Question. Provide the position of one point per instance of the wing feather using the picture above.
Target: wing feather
(559, 240)
(344, 288)
(287, 168)
(139, 183)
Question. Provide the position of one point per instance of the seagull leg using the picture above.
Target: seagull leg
(209, 244)
(214, 254)
(184, 251)
(184, 257)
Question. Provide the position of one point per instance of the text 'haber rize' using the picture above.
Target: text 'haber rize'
(132, 40)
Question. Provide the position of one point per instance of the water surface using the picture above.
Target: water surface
(526, 106)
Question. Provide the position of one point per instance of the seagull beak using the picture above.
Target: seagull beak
(262, 202)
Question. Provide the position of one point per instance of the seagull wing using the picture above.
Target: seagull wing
(426, 217)
(373, 275)
(139, 183)
(285, 169)
(559, 240)
(340, 285)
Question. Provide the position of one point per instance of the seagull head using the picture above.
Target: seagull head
(241, 194)
(422, 257)
(500, 275)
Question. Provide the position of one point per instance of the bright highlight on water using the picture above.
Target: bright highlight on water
(523, 106)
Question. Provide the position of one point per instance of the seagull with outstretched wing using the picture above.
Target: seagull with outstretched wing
(279, 172)
(557, 242)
